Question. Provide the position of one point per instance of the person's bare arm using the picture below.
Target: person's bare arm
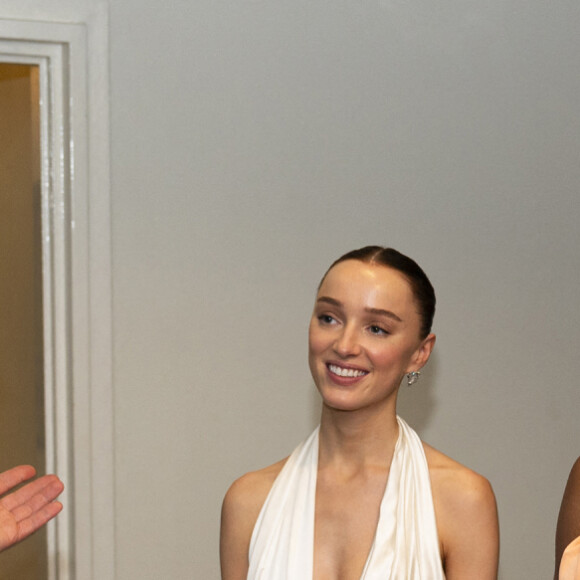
(240, 510)
(568, 527)
(473, 548)
(24, 511)
(467, 522)
(235, 532)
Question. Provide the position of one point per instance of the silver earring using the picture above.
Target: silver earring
(413, 377)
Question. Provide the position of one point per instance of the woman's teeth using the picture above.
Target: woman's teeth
(345, 372)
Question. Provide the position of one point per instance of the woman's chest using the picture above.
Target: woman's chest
(345, 522)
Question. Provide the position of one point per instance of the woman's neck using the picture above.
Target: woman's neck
(357, 438)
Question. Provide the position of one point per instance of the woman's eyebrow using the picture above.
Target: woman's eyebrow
(329, 300)
(382, 312)
(376, 311)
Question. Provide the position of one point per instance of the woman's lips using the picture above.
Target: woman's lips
(345, 375)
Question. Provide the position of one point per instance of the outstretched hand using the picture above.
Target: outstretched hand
(24, 511)
(570, 563)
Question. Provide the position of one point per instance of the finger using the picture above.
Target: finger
(30, 524)
(15, 476)
(43, 490)
(37, 502)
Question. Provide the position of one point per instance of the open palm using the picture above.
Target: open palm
(24, 511)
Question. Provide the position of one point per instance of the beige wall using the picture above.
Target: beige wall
(254, 141)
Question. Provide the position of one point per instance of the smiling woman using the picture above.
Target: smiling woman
(366, 330)
(363, 497)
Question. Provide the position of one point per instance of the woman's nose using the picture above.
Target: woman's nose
(347, 343)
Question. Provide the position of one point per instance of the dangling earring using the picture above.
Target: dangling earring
(413, 377)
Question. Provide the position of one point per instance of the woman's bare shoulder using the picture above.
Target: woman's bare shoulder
(459, 493)
(240, 509)
(466, 515)
(451, 478)
(255, 483)
(247, 494)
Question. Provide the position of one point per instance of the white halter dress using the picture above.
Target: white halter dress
(405, 547)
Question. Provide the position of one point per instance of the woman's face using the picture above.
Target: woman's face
(364, 335)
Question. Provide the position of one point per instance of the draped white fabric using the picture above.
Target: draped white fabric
(405, 547)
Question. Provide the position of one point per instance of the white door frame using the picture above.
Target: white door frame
(76, 248)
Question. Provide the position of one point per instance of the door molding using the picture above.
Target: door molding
(76, 271)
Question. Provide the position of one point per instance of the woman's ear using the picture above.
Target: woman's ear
(423, 352)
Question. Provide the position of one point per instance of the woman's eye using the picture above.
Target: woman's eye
(377, 329)
(326, 319)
